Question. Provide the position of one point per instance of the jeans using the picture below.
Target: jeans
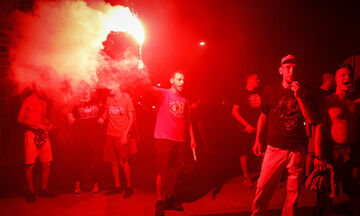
(275, 162)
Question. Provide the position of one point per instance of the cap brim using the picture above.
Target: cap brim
(289, 61)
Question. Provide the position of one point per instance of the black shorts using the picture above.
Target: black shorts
(340, 157)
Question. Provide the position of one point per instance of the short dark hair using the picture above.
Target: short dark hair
(175, 72)
(346, 66)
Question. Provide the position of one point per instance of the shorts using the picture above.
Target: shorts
(168, 155)
(113, 150)
(339, 157)
(32, 152)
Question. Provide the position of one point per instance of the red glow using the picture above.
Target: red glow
(121, 19)
(202, 43)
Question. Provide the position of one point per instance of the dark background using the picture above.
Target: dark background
(242, 37)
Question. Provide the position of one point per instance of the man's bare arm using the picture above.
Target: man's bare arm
(192, 137)
(248, 127)
(319, 141)
(24, 120)
(307, 112)
(260, 130)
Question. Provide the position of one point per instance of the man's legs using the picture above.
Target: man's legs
(295, 168)
(159, 187)
(31, 153)
(164, 150)
(45, 172)
(123, 157)
(110, 156)
(272, 168)
(29, 177)
(30, 192)
(244, 169)
(115, 172)
(167, 155)
(127, 171)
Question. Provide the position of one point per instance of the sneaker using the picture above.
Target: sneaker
(95, 188)
(171, 204)
(77, 192)
(115, 190)
(248, 182)
(128, 192)
(47, 193)
(160, 208)
(30, 196)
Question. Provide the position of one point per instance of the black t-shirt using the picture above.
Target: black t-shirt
(86, 115)
(249, 106)
(286, 128)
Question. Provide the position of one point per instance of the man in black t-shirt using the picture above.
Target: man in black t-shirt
(246, 111)
(284, 109)
(87, 146)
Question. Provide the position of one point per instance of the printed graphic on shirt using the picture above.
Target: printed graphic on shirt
(254, 100)
(177, 109)
(117, 110)
(88, 112)
(289, 112)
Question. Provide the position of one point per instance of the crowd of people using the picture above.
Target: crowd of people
(293, 128)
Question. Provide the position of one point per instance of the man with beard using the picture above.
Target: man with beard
(284, 108)
(338, 141)
(170, 132)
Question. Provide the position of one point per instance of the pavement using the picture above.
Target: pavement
(235, 198)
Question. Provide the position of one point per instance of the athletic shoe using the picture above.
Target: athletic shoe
(77, 192)
(128, 192)
(249, 183)
(115, 190)
(95, 188)
(47, 193)
(30, 196)
(172, 204)
(160, 208)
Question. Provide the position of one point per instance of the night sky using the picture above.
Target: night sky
(242, 37)
(246, 37)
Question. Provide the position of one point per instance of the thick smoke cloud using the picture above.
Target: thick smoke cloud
(59, 47)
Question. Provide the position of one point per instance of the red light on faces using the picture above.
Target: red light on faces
(202, 43)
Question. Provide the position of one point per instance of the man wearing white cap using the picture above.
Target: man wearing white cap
(284, 108)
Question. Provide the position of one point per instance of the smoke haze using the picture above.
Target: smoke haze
(59, 45)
